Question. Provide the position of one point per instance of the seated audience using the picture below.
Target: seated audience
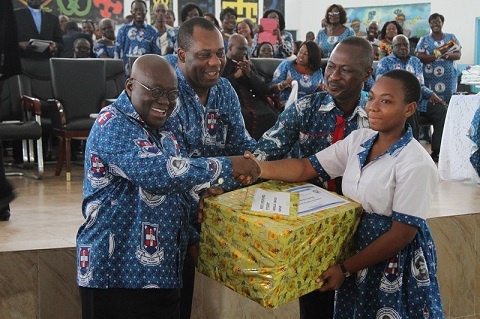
(283, 47)
(264, 50)
(81, 48)
(72, 34)
(105, 45)
(305, 69)
(335, 31)
(389, 31)
(246, 28)
(372, 33)
(251, 89)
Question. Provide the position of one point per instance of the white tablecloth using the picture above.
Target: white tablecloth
(454, 161)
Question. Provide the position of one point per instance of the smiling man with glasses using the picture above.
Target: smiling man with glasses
(131, 247)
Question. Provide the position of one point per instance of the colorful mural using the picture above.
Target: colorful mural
(412, 17)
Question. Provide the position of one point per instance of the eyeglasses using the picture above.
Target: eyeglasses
(158, 92)
(333, 14)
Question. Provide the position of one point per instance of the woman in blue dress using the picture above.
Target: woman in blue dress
(393, 272)
(335, 31)
(438, 52)
(305, 69)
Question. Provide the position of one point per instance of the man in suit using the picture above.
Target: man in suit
(38, 24)
(250, 87)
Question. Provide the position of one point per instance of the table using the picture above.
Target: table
(454, 160)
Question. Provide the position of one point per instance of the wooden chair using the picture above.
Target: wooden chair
(79, 92)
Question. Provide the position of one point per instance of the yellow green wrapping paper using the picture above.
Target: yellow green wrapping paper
(272, 260)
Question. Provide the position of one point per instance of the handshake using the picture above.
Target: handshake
(246, 168)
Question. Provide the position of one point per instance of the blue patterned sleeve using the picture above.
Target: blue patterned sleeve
(120, 42)
(277, 142)
(322, 174)
(130, 152)
(285, 49)
(280, 73)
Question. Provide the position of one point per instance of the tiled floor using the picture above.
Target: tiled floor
(47, 213)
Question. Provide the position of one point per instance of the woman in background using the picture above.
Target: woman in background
(335, 31)
(283, 48)
(264, 50)
(389, 31)
(305, 69)
(211, 17)
(439, 68)
(246, 28)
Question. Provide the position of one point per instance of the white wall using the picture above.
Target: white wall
(305, 15)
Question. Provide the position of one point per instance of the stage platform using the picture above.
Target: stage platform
(37, 255)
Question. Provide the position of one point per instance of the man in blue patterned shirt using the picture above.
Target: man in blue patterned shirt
(131, 246)
(431, 107)
(208, 113)
(136, 38)
(316, 121)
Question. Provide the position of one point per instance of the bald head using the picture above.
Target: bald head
(237, 47)
(152, 88)
(153, 68)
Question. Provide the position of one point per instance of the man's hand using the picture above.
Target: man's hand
(212, 191)
(435, 99)
(245, 170)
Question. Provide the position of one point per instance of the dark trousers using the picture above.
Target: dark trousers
(435, 115)
(6, 190)
(130, 303)
(317, 305)
(186, 295)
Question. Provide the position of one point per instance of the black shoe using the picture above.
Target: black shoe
(7, 194)
(434, 156)
(5, 215)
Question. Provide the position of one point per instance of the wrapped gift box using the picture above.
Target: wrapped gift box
(269, 260)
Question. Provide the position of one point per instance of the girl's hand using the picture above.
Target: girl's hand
(332, 278)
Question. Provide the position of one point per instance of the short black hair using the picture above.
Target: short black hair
(436, 15)
(226, 11)
(410, 84)
(281, 19)
(341, 10)
(365, 52)
(139, 1)
(187, 8)
(71, 26)
(185, 33)
(211, 15)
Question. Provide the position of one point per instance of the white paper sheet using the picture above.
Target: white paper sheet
(314, 199)
(271, 202)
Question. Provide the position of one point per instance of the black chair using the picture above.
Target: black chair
(21, 121)
(114, 78)
(79, 91)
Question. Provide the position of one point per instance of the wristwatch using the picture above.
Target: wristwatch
(345, 272)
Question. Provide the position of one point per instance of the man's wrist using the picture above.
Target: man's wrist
(345, 272)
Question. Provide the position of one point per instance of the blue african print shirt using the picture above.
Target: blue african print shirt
(136, 227)
(310, 122)
(133, 40)
(441, 75)
(327, 42)
(166, 41)
(216, 129)
(100, 49)
(307, 84)
(280, 50)
(412, 65)
(474, 135)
